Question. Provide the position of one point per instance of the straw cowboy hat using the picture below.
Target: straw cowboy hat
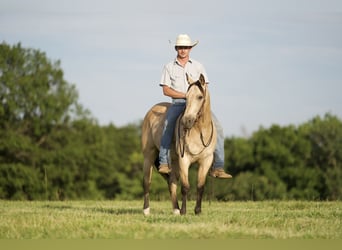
(185, 40)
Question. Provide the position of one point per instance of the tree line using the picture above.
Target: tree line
(52, 148)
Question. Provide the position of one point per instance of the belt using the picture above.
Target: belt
(179, 100)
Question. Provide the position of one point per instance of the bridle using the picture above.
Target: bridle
(198, 116)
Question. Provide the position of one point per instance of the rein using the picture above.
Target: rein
(199, 114)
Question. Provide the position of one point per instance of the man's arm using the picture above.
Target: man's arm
(172, 93)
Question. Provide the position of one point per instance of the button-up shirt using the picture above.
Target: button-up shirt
(174, 74)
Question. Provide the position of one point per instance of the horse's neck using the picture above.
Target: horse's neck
(205, 119)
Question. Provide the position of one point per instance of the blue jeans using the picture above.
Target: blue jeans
(173, 112)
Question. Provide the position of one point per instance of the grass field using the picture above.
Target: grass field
(124, 220)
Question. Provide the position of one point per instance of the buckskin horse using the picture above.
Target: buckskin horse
(194, 142)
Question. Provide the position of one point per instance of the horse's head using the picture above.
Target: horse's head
(195, 98)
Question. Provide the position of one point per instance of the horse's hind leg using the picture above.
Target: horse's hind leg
(147, 171)
(173, 192)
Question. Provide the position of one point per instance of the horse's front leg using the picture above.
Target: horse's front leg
(203, 169)
(200, 191)
(185, 186)
(198, 207)
(185, 190)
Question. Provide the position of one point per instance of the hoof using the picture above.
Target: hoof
(198, 211)
(146, 211)
(176, 212)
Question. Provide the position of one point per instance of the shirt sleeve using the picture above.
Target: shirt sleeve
(165, 78)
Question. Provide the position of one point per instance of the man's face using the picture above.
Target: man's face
(183, 51)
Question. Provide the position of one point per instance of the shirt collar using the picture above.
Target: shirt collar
(176, 61)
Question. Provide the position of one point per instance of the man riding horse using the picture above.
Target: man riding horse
(175, 85)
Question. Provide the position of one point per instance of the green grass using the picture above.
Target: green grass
(124, 220)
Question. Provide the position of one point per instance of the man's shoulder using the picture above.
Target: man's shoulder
(169, 64)
(195, 62)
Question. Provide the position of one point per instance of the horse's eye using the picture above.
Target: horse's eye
(200, 97)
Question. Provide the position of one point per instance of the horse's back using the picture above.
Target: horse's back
(153, 125)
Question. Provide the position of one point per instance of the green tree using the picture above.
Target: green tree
(239, 155)
(325, 137)
(33, 93)
(35, 100)
(281, 155)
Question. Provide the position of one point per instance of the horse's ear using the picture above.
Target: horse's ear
(188, 78)
(202, 79)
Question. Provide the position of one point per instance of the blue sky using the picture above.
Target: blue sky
(269, 62)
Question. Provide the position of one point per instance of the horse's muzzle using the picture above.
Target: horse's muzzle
(188, 121)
